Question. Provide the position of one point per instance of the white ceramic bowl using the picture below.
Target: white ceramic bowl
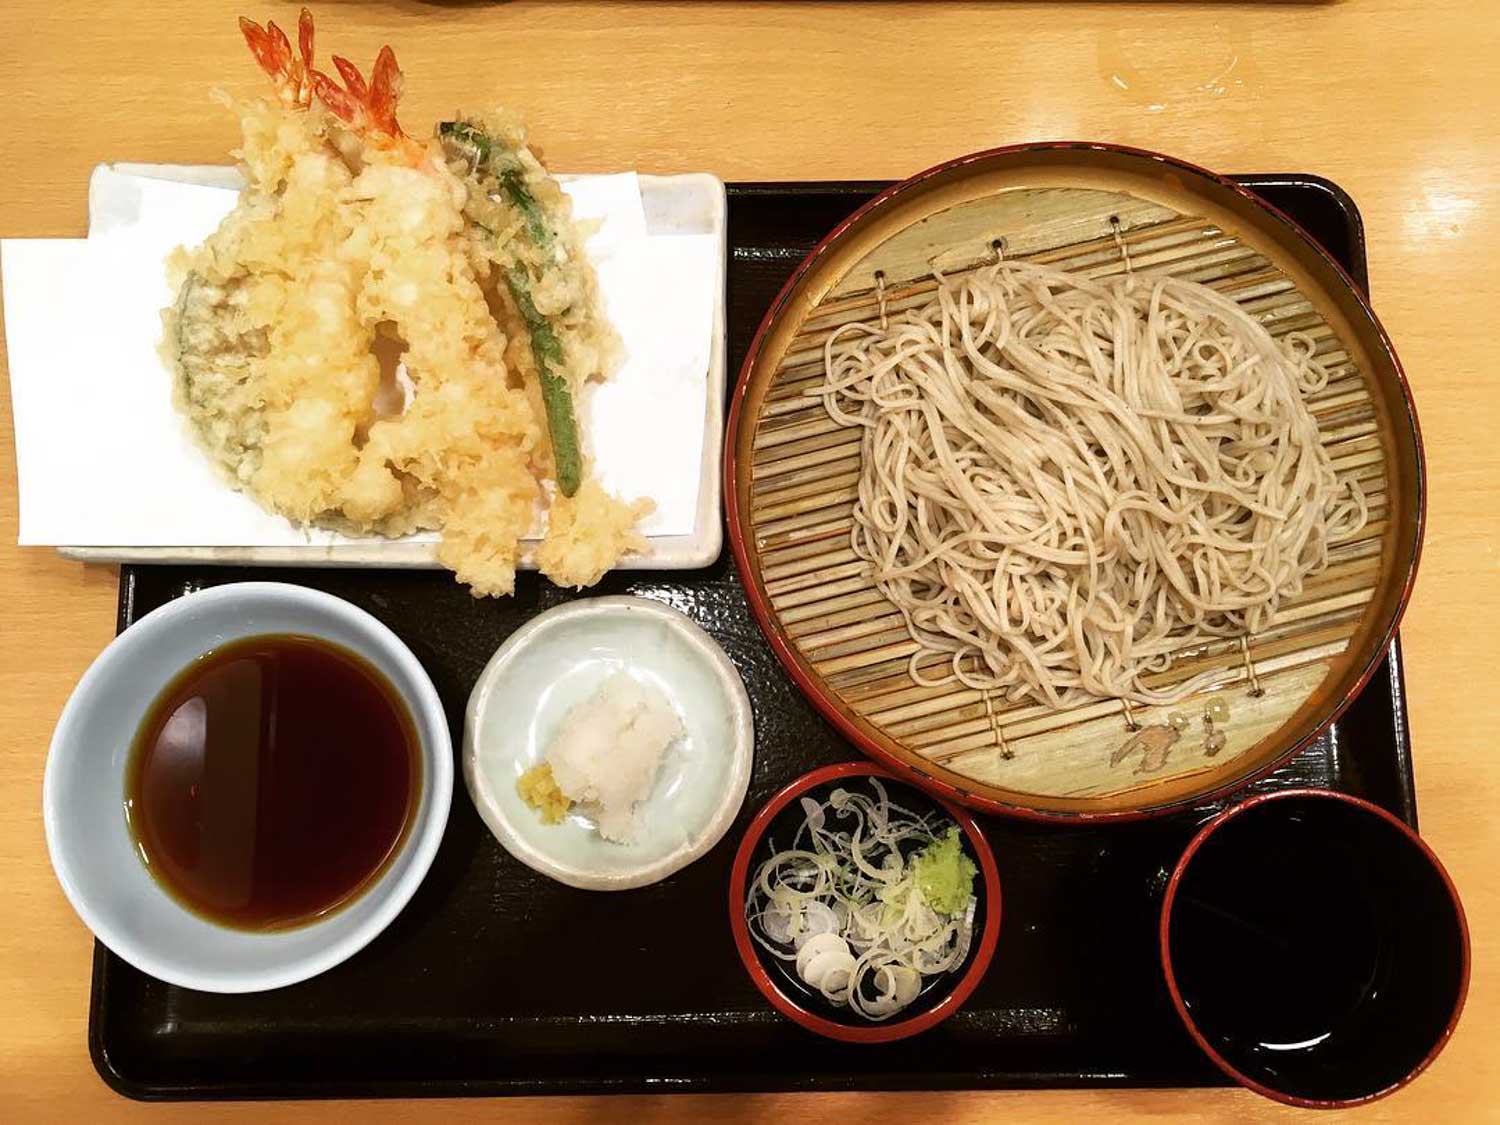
(84, 791)
(557, 660)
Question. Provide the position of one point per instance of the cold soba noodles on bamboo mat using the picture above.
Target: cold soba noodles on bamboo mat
(1066, 481)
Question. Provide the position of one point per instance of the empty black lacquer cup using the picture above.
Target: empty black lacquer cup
(1314, 947)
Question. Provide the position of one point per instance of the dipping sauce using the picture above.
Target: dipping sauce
(1277, 937)
(272, 781)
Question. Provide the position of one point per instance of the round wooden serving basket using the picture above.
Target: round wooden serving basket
(791, 477)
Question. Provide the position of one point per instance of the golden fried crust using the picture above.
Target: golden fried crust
(586, 535)
(273, 338)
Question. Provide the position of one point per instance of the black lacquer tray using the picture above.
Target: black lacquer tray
(495, 980)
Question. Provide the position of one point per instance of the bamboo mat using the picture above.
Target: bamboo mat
(805, 471)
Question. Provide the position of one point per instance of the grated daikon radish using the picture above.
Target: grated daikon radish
(605, 755)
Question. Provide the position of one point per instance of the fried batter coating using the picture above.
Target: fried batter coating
(334, 243)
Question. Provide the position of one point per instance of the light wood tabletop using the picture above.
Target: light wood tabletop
(1397, 100)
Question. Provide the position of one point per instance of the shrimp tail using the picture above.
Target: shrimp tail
(369, 108)
(273, 54)
(385, 90)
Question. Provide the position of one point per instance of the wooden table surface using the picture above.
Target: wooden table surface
(1397, 100)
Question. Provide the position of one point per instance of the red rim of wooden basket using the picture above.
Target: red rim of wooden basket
(816, 693)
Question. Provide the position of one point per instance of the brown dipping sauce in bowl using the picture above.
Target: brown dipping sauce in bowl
(272, 781)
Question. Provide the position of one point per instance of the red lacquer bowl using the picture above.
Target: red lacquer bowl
(941, 996)
(1314, 948)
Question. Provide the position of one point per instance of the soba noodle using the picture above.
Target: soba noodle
(1066, 481)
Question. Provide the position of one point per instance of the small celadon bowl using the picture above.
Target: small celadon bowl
(83, 793)
(559, 659)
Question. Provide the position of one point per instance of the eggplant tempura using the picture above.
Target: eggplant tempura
(355, 247)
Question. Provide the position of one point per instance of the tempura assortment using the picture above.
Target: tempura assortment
(388, 335)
